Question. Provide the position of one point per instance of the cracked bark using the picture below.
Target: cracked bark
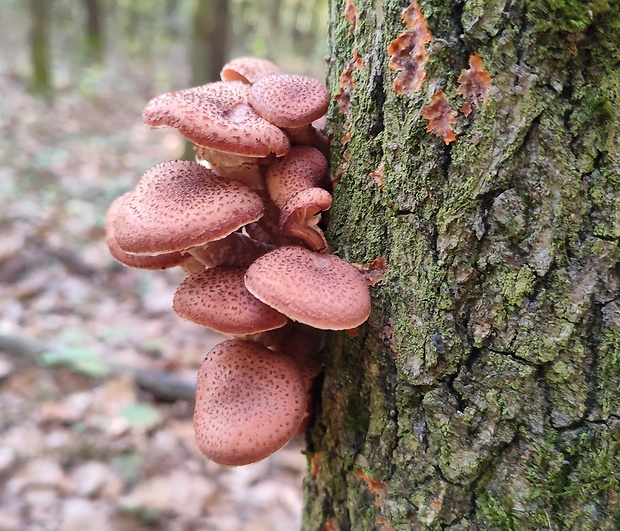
(483, 391)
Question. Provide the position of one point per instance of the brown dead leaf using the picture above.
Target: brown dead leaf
(440, 117)
(474, 84)
(407, 53)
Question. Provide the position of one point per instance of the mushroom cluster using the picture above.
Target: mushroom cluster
(245, 222)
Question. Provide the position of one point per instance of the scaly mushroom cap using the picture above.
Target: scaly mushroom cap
(250, 401)
(301, 168)
(248, 69)
(301, 214)
(160, 261)
(217, 116)
(217, 298)
(289, 101)
(180, 204)
(319, 290)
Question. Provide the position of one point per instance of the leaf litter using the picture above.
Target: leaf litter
(83, 447)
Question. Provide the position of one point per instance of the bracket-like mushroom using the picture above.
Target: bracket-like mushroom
(178, 205)
(217, 298)
(250, 402)
(230, 135)
(320, 290)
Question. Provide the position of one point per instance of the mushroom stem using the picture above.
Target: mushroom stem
(308, 135)
(234, 250)
(248, 170)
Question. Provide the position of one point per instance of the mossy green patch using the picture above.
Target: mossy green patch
(517, 284)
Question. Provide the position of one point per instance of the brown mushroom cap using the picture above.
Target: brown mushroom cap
(302, 167)
(319, 290)
(301, 214)
(180, 204)
(160, 261)
(217, 298)
(249, 402)
(289, 101)
(217, 116)
(248, 69)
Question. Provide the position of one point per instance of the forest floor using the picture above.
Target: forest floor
(83, 443)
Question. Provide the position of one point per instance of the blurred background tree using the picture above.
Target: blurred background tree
(66, 36)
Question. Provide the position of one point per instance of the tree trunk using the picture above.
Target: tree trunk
(94, 29)
(210, 28)
(483, 391)
(40, 50)
(209, 45)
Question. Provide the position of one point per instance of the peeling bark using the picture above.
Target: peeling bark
(483, 391)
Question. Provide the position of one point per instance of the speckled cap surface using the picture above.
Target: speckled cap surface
(319, 290)
(217, 298)
(289, 101)
(217, 116)
(249, 402)
(177, 205)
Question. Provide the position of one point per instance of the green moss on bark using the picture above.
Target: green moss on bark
(482, 390)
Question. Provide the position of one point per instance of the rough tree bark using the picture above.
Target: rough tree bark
(483, 391)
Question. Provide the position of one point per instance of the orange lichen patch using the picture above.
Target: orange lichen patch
(338, 175)
(414, 19)
(466, 108)
(377, 175)
(407, 53)
(378, 488)
(474, 84)
(352, 332)
(332, 524)
(440, 117)
(351, 14)
(315, 465)
(373, 272)
(384, 524)
(347, 84)
(346, 137)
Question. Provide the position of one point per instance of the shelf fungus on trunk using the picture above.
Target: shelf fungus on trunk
(246, 224)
